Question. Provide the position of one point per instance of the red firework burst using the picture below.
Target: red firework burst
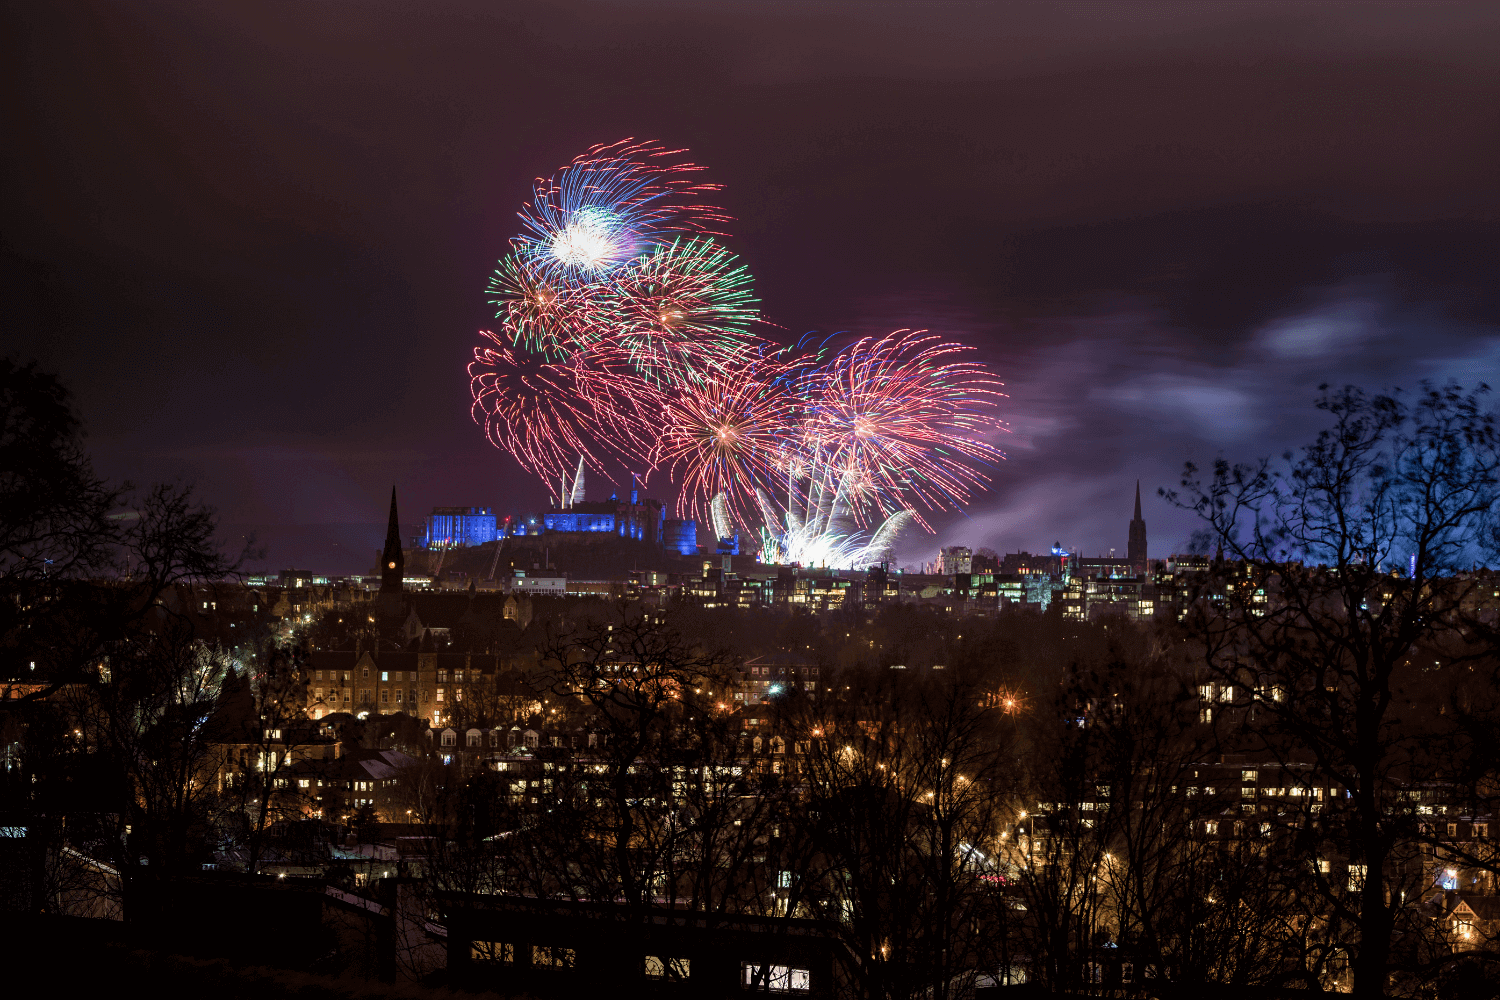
(532, 409)
(725, 434)
(902, 418)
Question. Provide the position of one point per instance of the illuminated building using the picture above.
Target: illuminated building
(424, 684)
(298, 579)
(639, 519)
(1026, 564)
(454, 527)
(547, 583)
(680, 536)
(765, 677)
(955, 559)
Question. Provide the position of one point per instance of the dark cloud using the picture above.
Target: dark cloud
(253, 237)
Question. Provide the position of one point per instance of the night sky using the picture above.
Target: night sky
(254, 238)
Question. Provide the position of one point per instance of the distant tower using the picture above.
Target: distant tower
(392, 566)
(1137, 550)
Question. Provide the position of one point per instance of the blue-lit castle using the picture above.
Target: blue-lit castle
(641, 519)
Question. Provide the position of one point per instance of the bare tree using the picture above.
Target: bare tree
(653, 701)
(262, 728)
(898, 833)
(1337, 616)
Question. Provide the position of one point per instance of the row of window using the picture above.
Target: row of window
(780, 672)
(367, 695)
(353, 786)
(475, 739)
(776, 978)
(503, 952)
(390, 675)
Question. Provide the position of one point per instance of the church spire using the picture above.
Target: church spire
(393, 528)
(392, 561)
(1137, 548)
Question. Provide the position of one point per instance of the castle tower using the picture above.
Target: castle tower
(392, 566)
(1137, 548)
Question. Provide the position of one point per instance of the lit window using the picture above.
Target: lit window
(776, 978)
(551, 956)
(664, 968)
(492, 951)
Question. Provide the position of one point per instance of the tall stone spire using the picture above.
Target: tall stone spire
(1137, 549)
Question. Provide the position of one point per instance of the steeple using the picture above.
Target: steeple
(1136, 552)
(392, 563)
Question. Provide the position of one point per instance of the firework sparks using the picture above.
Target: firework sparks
(681, 311)
(901, 418)
(626, 334)
(531, 409)
(540, 314)
(725, 435)
(610, 205)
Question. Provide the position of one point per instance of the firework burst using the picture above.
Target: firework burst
(901, 418)
(626, 337)
(681, 311)
(541, 314)
(610, 205)
(725, 434)
(532, 409)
